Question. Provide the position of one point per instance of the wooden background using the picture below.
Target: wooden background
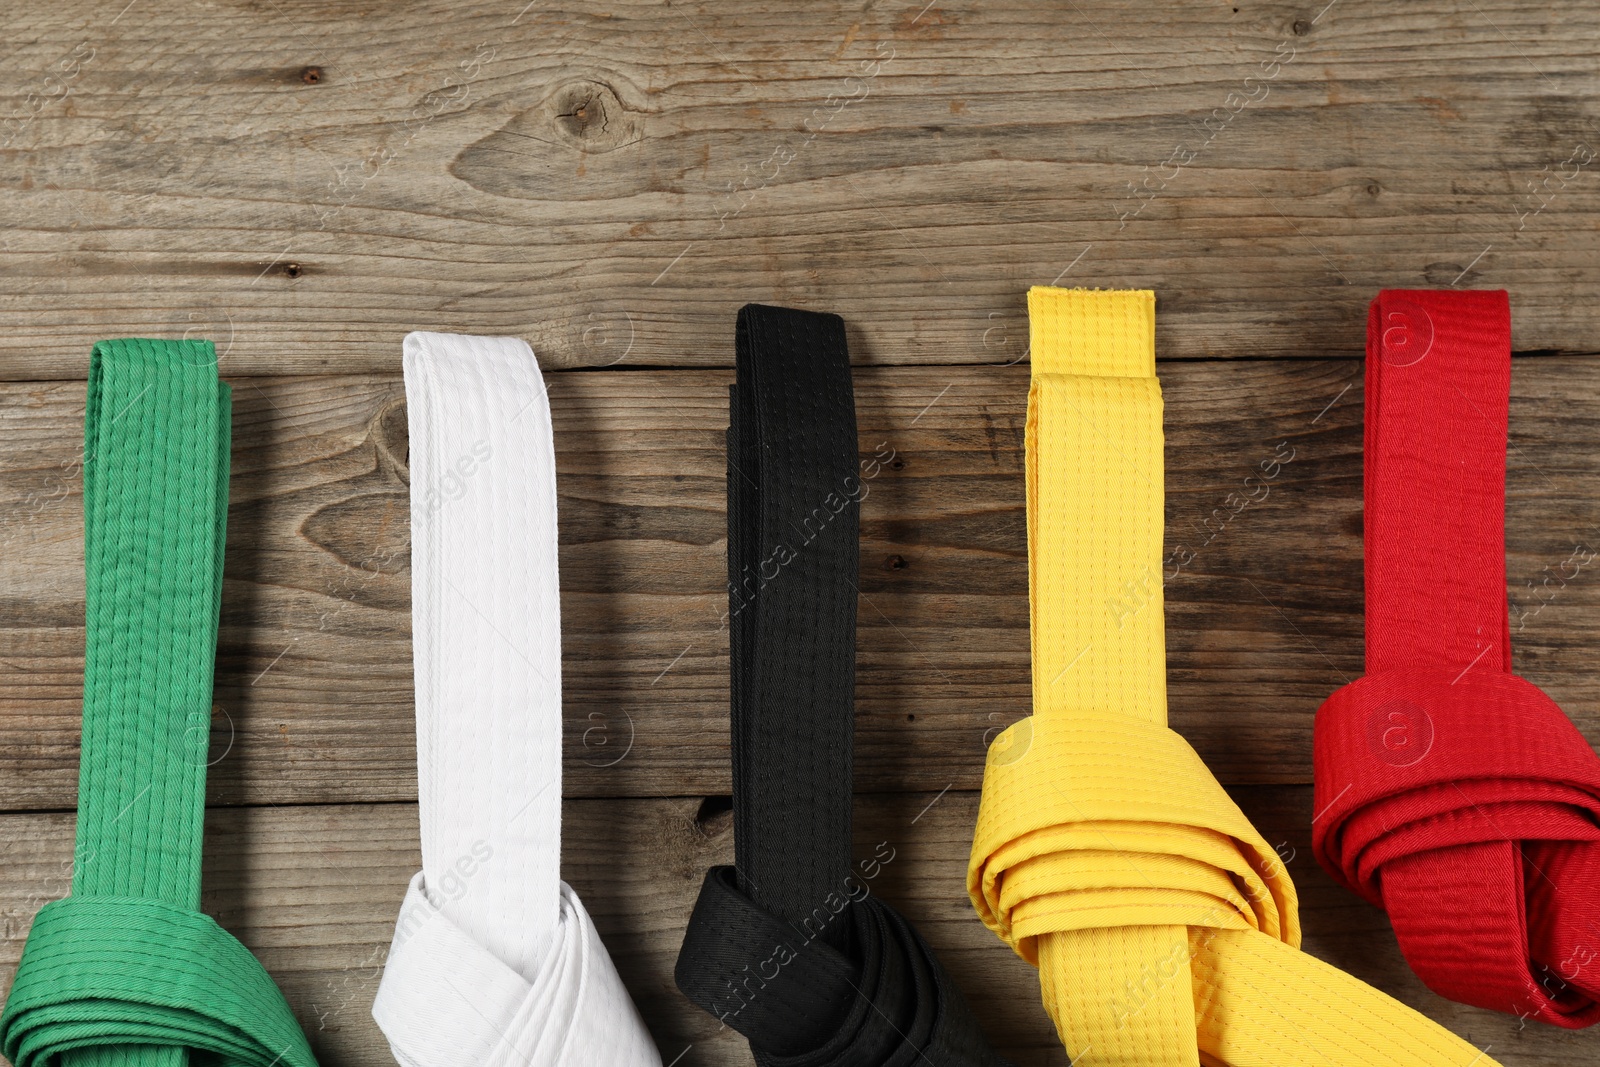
(305, 180)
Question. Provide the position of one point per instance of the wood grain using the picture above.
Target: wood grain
(306, 180)
(314, 892)
(314, 683)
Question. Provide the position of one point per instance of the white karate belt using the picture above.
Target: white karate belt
(494, 959)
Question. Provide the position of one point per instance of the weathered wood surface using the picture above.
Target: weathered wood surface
(314, 683)
(305, 180)
(314, 891)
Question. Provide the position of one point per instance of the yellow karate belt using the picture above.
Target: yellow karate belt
(1164, 927)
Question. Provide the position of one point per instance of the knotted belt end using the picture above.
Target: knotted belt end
(1387, 735)
(139, 971)
(1101, 820)
(1453, 800)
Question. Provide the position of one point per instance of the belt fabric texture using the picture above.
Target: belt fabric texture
(1164, 927)
(495, 961)
(788, 946)
(127, 972)
(1454, 794)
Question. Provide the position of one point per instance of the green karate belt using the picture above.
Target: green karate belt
(126, 972)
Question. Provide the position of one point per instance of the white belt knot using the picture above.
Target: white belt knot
(445, 999)
(495, 961)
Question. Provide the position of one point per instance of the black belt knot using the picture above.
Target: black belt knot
(788, 947)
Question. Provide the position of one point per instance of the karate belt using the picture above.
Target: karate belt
(127, 972)
(1454, 794)
(1164, 927)
(789, 947)
(495, 961)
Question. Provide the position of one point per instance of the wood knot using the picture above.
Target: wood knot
(292, 269)
(583, 111)
(589, 115)
(391, 439)
(715, 816)
(311, 75)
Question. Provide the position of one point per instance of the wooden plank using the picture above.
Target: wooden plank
(306, 181)
(314, 892)
(314, 683)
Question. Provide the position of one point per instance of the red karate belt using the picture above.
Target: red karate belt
(1452, 793)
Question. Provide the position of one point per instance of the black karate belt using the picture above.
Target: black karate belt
(788, 947)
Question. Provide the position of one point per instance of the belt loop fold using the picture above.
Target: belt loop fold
(789, 946)
(127, 972)
(495, 961)
(1454, 794)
